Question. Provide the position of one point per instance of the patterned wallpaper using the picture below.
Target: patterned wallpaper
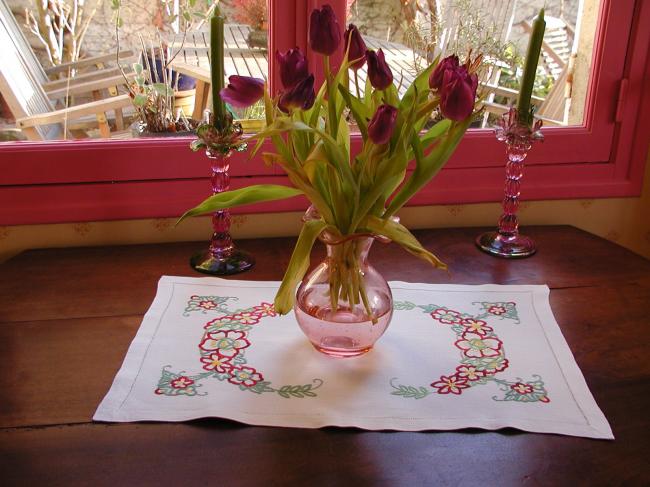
(625, 221)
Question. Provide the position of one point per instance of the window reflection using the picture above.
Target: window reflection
(413, 32)
(59, 78)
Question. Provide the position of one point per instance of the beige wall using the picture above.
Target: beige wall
(625, 221)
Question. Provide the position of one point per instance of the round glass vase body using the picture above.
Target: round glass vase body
(344, 305)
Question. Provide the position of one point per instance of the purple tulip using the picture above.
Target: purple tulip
(382, 125)
(293, 67)
(458, 93)
(242, 91)
(301, 96)
(448, 63)
(324, 31)
(379, 72)
(358, 48)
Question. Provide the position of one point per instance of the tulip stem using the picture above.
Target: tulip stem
(331, 106)
(356, 83)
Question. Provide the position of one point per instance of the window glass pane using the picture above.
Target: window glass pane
(413, 32)
(65, 82)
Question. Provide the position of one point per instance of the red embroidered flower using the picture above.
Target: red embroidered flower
(522, 388)
(496, 310)
(479, 327)
(247, 318)
(182, 382)
(469, 372)
(446, 316)
(217, 362)
(207, 304)
(265, 309)
(474, 345)
(227, 343)
(450, 385)
(245, 376)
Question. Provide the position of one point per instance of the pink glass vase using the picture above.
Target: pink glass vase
(222, 257)
(344, 305)
(506, 241)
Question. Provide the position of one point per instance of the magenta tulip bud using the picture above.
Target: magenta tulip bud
(358, 47)
(242, 91)
(379, 72)
(448, 63)
(301, 96)
(382, 125)
(458, 93)
(293, 67)
(324, 31)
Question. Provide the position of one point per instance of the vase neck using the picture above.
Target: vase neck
(356, 247)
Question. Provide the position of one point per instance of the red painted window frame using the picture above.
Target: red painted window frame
(52, 182)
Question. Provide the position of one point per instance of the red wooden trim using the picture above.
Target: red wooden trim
(106, 160)
(633, 137)
(161, 177)
(159, 199)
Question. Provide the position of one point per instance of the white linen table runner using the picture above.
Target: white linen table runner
(454, 356)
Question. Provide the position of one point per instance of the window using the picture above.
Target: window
(602, 156)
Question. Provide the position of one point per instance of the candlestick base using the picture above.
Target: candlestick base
(512, 246)
(232, 262)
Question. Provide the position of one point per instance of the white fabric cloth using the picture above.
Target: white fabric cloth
(453, 357)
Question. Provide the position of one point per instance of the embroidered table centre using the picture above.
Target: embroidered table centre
(454, 356)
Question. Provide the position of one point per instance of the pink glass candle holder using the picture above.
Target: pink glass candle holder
(222, 257)
(506, 241)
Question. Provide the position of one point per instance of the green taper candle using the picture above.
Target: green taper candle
(216, 67)
(530, 69)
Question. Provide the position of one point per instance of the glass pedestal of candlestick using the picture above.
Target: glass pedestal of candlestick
(506, 241)
(222, 257)
(503, 245)
(222, 264)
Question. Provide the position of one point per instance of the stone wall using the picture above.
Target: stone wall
(386, 19)
(140, 18)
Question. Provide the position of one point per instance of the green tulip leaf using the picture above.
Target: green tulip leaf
(244, 196)
(298, 265)
(400, 234)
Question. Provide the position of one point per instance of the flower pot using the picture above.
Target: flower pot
(184, 100)
(258, 38)
(344, 305)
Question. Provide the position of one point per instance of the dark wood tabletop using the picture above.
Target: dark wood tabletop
(67, 317)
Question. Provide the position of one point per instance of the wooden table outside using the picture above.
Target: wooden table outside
(241, 59)
(67, 317)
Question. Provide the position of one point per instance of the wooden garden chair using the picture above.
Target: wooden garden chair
(32, 96)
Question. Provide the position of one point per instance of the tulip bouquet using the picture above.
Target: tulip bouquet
(352, 191)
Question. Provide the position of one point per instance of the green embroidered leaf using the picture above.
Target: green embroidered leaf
(410, 392)
(244, 196)
(403, 305)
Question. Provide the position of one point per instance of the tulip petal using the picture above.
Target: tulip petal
(242, 91)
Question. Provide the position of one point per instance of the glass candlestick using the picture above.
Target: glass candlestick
(222, 257)
(506, 241)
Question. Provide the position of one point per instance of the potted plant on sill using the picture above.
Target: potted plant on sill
(162, 98)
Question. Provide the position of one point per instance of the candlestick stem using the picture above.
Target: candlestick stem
(222, 257)
(507, 241)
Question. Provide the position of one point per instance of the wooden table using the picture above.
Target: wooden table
(241, 59)
(68, 316)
